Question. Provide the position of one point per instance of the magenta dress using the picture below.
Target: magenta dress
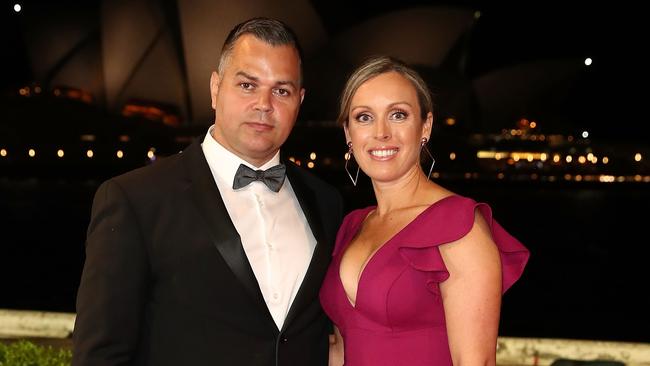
(399, 318)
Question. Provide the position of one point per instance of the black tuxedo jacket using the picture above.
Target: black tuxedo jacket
(166, 280)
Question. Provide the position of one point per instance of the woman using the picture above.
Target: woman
(418, 279)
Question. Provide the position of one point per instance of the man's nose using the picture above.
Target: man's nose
(263, 103)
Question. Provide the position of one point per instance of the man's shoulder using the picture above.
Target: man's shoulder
(162, 174)
(156, 172)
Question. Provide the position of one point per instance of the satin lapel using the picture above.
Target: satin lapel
(320, 259)
(207, 198)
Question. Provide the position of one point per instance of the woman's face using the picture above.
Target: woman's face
(385, 127)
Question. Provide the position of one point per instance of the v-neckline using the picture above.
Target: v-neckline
(376, 252)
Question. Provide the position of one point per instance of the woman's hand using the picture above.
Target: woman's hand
(336, 349)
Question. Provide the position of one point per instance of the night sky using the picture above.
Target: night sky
(608, 99)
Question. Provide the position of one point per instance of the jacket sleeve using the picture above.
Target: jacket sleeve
(114, 284)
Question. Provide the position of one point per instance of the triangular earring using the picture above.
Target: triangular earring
(349, 156)
(423, 146)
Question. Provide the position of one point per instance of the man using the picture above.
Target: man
(191, 261)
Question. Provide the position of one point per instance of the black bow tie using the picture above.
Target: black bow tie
(272, 177)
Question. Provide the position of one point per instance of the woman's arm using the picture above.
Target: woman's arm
(472, 296)
(336, 348)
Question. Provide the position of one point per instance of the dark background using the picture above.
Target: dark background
(588, 240)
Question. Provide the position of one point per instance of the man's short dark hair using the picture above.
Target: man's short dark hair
(270, 31)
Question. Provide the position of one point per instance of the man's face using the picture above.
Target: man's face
(256, 99)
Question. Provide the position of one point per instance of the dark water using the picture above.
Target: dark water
(586, 278)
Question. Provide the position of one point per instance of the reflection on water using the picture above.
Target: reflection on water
(585, 278)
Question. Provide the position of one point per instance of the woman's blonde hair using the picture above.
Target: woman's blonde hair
(376, 66)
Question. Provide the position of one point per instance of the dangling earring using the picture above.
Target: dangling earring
(423, 146)
(349, 156)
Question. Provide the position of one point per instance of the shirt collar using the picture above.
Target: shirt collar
(224, 164)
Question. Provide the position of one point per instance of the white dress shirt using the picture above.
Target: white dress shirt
(274, 231)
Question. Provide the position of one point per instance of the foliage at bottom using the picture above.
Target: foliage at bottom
(25, 353)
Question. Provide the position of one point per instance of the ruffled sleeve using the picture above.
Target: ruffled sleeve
(449, 220)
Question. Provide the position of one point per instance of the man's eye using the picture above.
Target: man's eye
(282, 92)
(246, 86)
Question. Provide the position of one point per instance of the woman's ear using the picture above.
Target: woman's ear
(347, 133)
(428, 125)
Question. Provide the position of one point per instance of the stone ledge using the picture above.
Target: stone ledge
(510, 351)
(27, 323)
(543, 351)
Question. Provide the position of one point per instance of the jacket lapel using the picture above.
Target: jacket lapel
(206, 197)
(320, 259)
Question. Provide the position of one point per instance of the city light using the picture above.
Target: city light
(605, 160)
(588, 61)
(569, 158)
(310, 165)
(452, 156)
(31, 153)
(119, 154)
(533, 124)
(450, 121)
(606, 178)
(17, 8)
(312, 156)
(637, 157)
(150, 154)
(90, 154)
(482, 154)
(556, 158)
(585, 134)
(582, 159)
(293, 160)
(3, 152)
(60, 153)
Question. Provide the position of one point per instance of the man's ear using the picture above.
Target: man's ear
(302, 95)
(214, 88)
